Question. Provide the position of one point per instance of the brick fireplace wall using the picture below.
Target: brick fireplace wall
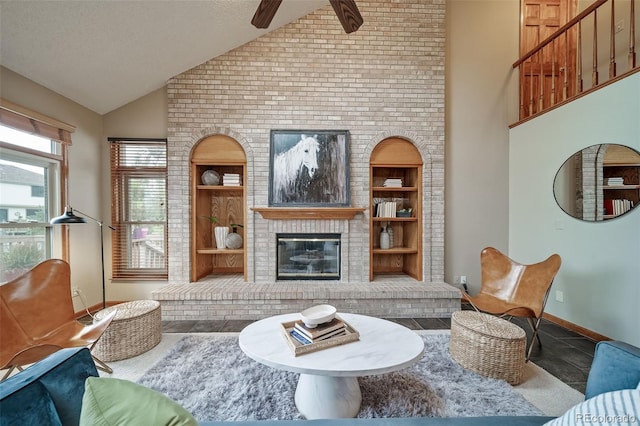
(384, 80)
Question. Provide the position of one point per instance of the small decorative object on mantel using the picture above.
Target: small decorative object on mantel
(210, 177)
(234, 240)
(303, 339)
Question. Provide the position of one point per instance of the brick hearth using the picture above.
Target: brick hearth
(231, 298)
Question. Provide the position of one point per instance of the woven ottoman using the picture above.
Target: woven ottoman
(135, 329)
(488, 345)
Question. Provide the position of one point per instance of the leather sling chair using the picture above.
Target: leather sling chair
(37, 317)
(511, 289)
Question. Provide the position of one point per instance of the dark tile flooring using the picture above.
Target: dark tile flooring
(565, 354)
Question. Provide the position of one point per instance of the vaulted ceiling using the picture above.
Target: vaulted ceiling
(104, 54)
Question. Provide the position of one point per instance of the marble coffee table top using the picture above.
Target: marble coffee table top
(384, 346)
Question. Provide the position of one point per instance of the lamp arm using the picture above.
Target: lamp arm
(99, 222)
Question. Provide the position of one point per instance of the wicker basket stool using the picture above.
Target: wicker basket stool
(135, 329)
(488, 345)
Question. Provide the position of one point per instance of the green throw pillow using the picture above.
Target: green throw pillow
(109, 401)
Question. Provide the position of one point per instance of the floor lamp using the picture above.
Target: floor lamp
(68, 218)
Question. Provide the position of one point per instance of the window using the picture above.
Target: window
(139, 208)
(29, 196)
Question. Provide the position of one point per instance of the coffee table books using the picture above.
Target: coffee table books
(335, 333)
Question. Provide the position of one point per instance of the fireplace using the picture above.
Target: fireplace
(308, 256)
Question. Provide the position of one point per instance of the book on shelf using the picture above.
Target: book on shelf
(386, 209)
(614, 181)
(231, 179)
(393, 183)
(322, 331)
(617, 207)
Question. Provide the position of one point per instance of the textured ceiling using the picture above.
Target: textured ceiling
(104, 54)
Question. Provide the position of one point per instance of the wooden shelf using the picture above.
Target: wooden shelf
(220, 188)
(394, 219)
(220, 251)
(222, 154)
(396, 158)
(395, 250)
(621, 187)
(325, 213)
(394, 189)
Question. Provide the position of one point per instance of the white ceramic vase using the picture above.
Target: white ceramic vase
(220, 233)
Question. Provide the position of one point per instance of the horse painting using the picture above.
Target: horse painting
(294, 168)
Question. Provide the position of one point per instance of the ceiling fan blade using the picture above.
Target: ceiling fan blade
(265, 13)
(348, 14)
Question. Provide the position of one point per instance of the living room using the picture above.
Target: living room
(486, 165)
(493, 184)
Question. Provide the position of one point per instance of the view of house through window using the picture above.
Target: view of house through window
(29, 197)
(139, 208)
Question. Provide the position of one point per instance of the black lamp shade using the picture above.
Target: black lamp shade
(67, 218)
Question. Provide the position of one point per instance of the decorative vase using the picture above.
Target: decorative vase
(220, 233)
(384, 239)
(233, 240)
(390, 232)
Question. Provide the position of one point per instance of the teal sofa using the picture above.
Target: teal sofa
(51, 391)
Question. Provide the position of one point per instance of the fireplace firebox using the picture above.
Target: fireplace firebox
(308, 256)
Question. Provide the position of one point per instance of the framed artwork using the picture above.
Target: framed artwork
(309, 168)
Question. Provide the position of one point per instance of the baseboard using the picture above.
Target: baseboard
(575, 328)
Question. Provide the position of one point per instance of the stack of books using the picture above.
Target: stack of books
(393, 183)
(322, 332)
(386, 209)
(614, 181)
(231, 179)
(617, 207)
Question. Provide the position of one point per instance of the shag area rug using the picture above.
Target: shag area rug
(215, 380)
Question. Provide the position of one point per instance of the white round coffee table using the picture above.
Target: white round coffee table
(328, 385)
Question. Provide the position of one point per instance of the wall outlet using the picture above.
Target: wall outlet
(619, 26)
(559, 296)
(75, 292)
(463, 279)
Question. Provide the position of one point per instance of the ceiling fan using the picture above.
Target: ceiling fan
(346, 10)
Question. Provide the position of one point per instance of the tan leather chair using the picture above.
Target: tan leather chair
(511, 289)
(37, 317)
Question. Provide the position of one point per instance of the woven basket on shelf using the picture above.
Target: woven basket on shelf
(488, 345)
(135, 329)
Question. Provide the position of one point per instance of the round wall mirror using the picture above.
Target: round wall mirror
(600, 182)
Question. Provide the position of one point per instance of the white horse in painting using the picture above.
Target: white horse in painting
(288, 166)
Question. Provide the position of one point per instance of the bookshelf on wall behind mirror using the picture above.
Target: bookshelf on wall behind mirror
(225, 200)
(395, 174)
(621, 184)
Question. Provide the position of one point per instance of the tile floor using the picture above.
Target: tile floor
(565, 354)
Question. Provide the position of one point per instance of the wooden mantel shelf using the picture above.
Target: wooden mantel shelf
(326, 213)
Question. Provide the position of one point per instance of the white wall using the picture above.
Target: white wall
(600, 273)
(143, 118)
(85, 176)
(481, 101)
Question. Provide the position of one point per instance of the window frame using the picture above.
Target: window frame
(55, 242)
(123, 238)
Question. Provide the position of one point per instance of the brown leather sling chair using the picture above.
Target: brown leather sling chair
(511, 289)
(37, 317)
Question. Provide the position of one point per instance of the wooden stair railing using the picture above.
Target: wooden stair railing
(538, 86)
